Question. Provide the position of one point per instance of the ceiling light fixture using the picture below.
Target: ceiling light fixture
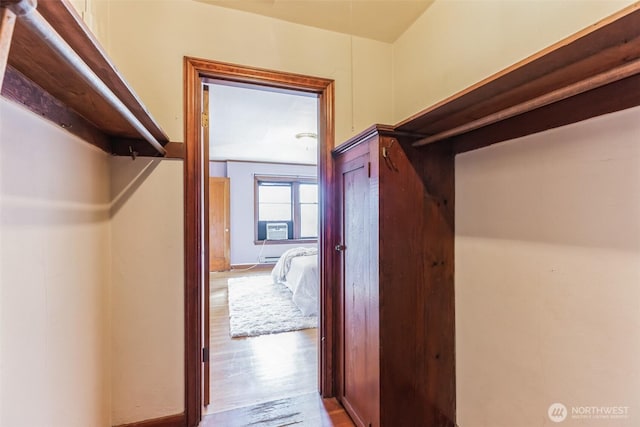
(308, 139)
(302, 135)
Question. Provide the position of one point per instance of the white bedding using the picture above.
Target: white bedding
(298, 270)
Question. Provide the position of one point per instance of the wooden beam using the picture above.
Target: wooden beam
(7, 24)
(175, 150)
(23, 91)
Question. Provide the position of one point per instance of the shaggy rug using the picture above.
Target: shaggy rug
(257, 306)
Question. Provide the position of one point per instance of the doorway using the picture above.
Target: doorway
(263, 313)
(197, 72)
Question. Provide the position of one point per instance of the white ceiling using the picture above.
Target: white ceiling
(256, 124)
(383, 20)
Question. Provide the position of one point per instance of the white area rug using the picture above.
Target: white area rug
(257, 306)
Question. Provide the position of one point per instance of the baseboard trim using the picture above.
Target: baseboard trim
(168, 421)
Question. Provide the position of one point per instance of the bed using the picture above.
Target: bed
(297, 269)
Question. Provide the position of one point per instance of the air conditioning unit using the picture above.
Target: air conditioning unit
(277, 231)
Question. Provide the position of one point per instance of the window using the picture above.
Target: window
(286, 208)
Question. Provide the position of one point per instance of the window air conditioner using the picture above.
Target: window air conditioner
(277, 231)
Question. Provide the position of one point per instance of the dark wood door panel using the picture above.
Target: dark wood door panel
(355, 287)
(355, 184)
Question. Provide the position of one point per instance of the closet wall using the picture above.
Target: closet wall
(147, 293)
(95, 14)
(547, 274)
(55, 250)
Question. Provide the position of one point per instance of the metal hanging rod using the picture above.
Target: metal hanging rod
(27, 14)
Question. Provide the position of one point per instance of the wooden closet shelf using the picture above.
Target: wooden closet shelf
(598, 66)
(80, 90)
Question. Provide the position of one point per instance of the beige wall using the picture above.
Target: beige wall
(148, 41)
(548, 275)
(147, 291)
(457, 43)
(54, 276)
(95, 14)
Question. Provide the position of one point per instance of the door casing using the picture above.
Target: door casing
(196, 168)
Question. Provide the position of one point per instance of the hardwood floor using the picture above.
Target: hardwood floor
(254, 370)
(306, 410)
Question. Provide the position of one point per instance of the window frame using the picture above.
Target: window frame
(295, 181)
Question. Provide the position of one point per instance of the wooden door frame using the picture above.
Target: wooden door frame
(196, 253)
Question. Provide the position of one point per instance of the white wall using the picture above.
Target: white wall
(147, 292)
(241, 178)
(457, 43)
(548, 275)
(54, 276)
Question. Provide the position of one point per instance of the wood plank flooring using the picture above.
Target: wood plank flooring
(306, 410)
(265, 376)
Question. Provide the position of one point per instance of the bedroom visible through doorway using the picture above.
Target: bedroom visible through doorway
(198, 73)
(264, 290)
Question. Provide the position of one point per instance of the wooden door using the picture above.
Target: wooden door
(219, 237)
(356, 368)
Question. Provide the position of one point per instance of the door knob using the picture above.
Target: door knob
(340, 248)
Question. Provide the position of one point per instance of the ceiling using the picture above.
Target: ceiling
(383, 20)
(251, 123)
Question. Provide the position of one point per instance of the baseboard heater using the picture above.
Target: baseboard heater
(269, 259)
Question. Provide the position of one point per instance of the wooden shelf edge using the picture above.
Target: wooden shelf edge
(377, 129)
(590, 60)
(65, 20)
(607, 99)
(79, 82)
(22, 91)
